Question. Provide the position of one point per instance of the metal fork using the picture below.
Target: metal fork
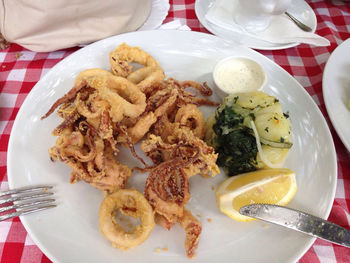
(25, 200)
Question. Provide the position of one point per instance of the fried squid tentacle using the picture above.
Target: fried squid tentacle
(184, 144)
(167, 189)
(128, 141)
(193, 229)
(68, 122)
(191, 117)
(203, 89)
(67, 97)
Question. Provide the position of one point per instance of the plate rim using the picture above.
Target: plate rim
(278, 47)
(156, 4)
(25, 222)
(325, 78)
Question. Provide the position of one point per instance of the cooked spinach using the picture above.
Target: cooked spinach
(227, 118)
(234, 142)
(229, 132)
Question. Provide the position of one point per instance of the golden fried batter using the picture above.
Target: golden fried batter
(105, 109)
(132, 203)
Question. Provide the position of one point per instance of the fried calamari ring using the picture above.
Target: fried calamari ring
(120, 58)
(123, 96)
(140, 128)
(157, 106)
(132, 203)
(190, 116)
(146, 77)
(92, 107)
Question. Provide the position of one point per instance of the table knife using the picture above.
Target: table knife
(299, 221)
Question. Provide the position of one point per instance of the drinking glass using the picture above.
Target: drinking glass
(255, 15)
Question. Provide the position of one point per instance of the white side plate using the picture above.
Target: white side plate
(336, 90)
(159, 11)
(300, 9)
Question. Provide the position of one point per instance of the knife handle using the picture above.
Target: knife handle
(323, 229)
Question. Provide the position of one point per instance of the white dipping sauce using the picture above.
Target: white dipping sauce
(233, 75)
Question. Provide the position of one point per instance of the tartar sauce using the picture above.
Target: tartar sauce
(234, 75)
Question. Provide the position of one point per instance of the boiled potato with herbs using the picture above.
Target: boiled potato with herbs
(243, 120)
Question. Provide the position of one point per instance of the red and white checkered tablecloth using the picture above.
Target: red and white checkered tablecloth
(20, 69)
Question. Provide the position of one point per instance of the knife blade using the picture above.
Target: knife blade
(299, 221)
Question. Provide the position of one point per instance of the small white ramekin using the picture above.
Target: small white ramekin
(249, 63)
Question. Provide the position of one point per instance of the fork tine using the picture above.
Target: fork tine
(26, 200)
(25, 197)
(24, 205)
(27, 189)
(26, 211)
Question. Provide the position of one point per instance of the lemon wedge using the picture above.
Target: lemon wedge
(270, 186)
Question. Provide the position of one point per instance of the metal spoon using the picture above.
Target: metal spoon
(298, 23)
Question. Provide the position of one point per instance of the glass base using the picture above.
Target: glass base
(252, 22)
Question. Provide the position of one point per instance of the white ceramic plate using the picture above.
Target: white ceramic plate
(336, 90)
(69, 232)
(300, 9)
(158, 13)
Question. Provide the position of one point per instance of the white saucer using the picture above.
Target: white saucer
(159, 11)
(300, 9)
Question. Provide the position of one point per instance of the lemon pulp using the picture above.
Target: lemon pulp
(271, 186)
